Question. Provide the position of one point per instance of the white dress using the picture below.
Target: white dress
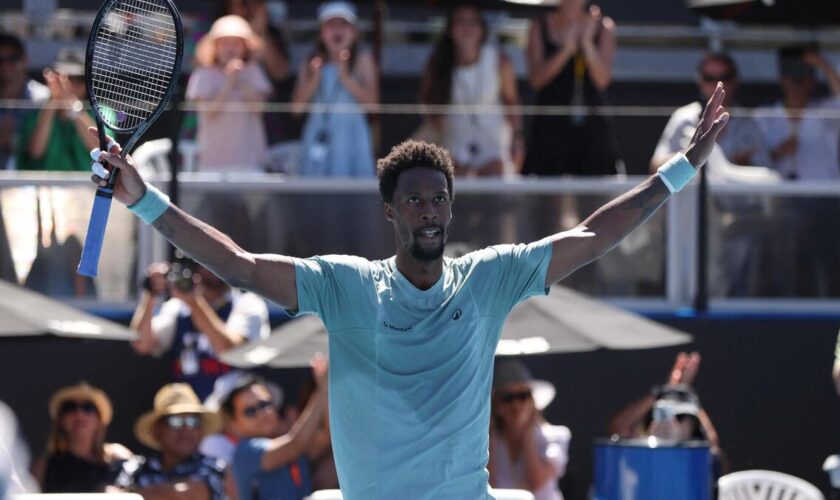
(474, 140)
(552, 445)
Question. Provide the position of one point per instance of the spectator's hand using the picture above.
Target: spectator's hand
(129, 187)
(61, 90)
(788, 147)
(234, 68)
(712, 122)
(572, 38)
(344, 65)
(815, 59)
(320, 370)
(685, 369)
(156, 276)
(315, 65)
(591, 25)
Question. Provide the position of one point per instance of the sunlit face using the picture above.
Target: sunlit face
(714, 71)
(337, 34)
(179, 435)
(79, 417)
(514, 404)
(421, 212)
(254, 413)
(229, 48)
(466, 27)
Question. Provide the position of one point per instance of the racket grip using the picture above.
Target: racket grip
(96, 232)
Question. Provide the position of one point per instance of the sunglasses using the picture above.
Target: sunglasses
(251, 411)
(709, 78)
(510, 397)
(179, 422)
(74, 406)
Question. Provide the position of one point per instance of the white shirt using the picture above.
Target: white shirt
(248, 317)
(816, 158)
(219, 446)
(552, 445)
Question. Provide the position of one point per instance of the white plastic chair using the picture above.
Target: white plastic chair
(152, 157)
(765, 485)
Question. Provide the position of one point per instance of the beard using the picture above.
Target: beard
(426, 254)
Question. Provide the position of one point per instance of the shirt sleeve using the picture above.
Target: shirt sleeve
(164, 324)
(331, 287)
(249, 317)
(513, 273)
(247, 460)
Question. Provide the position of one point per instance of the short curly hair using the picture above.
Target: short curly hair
(411, 154)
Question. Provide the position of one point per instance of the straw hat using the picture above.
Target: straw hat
(82, 392)
(511, 371)
(173, 399)
(226, 26)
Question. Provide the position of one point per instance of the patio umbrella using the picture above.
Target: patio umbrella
(564, 321)
(24, 313)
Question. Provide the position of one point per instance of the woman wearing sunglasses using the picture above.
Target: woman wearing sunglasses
(78, 460)
(526, 452)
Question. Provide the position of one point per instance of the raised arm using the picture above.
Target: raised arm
(272, 276)
(604, 229)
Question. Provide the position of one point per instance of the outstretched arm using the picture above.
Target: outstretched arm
(272, 276)
(604, 229)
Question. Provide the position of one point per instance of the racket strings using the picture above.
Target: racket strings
(133, 61)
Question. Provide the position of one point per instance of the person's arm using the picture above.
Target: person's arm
(627, 422)
(360, 81)
(309, 77)
(39, 470)
(604, 229)
(272, 276)
(148, 343)
(192, 489)
(541, 71)
(510, 98)
(599, 55)
(816, 60)
(287, 448)
(204, 318)
(538, 469)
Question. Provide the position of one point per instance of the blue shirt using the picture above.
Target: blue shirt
(290, 482)
(410, 369)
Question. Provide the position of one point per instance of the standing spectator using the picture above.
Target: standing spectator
(229, 139)
(202, 319)
(78, 460)
(742, 143)
(56, 138)
(174, 428)
(525, 451)
(265, 465)
(14, 85)
(464, 69)
(570, 60)
(804, 146)
(340, 78)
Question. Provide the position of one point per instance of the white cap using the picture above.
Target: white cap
(331, 10)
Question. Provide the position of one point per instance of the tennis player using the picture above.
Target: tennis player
(412, 337)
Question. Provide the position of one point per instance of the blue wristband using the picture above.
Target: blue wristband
(151, 205)
(677, 172)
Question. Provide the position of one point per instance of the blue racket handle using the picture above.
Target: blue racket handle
(96, 232)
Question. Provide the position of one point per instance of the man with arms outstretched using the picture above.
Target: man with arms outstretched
(412, 338)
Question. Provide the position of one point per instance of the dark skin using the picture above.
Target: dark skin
(420, 201)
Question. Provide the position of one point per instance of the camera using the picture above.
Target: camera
(181, 274)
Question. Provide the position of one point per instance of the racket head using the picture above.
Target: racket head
(133, 62)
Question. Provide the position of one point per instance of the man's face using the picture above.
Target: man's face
(179, 435)
(713, 71)
(12, 65)
(254, 414)
(421, 211)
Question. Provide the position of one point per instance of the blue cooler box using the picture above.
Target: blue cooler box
(650, 469)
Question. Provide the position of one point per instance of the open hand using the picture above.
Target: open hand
(129, 187)
(712, 121)
(591, 25)
(320, 369)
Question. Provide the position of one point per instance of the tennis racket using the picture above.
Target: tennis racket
(132, 65)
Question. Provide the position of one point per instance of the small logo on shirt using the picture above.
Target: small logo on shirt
(396, 328)
(457, 314)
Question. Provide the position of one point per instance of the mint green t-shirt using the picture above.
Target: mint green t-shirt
(411, 370)
(65, 149)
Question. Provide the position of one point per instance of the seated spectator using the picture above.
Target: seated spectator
(671, 411)
(78, 460)
(56, 137)
(742, 142)
(465, 69)
(202, 319)
(228, 74)
(266, 465)
(174, 428)
(14, 85)
(221, 444)
(340, 76)
(525, 450)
